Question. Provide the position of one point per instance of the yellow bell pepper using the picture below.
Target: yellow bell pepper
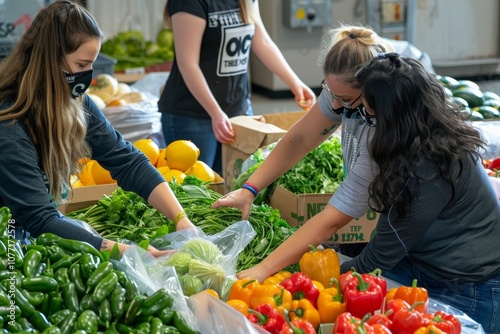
(277, 278)
(320, 265)
(431, 329)
(242, 289)
(331, 303)
(318, 285)
(276, 295)
(304, 309)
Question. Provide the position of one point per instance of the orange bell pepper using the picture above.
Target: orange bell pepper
(242, 289)
(304, 309)
(277, 278)
(331, 303)
(276, 295)
(431, 329)
(320, 265)
(238, 305)
(410, 294)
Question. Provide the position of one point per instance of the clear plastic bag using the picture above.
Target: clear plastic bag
(213, 257)
(215, 316)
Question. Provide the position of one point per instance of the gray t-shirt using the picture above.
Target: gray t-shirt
(351, 198)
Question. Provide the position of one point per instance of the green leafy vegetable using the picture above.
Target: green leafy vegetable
(202, 249)
(190, 284)
(179, 260)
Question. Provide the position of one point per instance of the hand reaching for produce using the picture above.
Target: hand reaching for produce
(108, 245)
(240, 198)
(223, 129)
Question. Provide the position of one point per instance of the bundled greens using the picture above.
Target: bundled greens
(125, 215)
(319, 172)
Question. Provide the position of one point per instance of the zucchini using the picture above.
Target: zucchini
(465, 84)
(488, 95)
(492, 103)
(447, 81)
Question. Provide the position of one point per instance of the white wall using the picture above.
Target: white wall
(461, 36)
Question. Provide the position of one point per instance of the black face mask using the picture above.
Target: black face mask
(348, 113)
(79, 82)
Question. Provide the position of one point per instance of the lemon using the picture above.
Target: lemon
(101, 175)
(149, 148)
(202, 171)
(181, 154)
(170, 174)
(162, 161)
(85, 175)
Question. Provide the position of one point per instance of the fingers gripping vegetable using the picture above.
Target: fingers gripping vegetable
(320, 265)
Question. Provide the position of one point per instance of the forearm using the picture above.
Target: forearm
(163, 199)
(315, 231)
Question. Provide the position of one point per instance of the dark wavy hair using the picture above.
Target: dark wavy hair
(415, 123)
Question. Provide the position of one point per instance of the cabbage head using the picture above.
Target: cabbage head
(180, 261)
(202, 249)
(190, 284)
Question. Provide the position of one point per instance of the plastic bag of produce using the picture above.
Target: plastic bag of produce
(150, 276)
(206, 261)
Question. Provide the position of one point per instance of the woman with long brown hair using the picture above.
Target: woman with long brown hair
(48, 126)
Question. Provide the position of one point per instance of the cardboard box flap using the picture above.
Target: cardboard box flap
(251, 134)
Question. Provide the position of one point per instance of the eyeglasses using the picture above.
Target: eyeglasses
(343, 103)
(368, 118)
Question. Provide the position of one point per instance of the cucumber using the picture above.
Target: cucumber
(488, 95)
(474, 97)
(487, 112)
(447, 92)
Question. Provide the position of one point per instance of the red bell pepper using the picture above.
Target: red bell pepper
(376, 277)
(494, 164)
(364, 297)
(380, 329)
(301, 286)
(347, 280)
(382, 319)
(409, 320)
(346, 323)
(447, 323)
(267, 317)
(395, 305)
(297, 326)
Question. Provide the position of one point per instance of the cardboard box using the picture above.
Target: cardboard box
(252, 133)
(297, 209)
(86, 196)
(89, 195)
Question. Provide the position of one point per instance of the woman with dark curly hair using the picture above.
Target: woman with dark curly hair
(440, 219)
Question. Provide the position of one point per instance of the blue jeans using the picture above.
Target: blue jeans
(479, 300)
(197, 130)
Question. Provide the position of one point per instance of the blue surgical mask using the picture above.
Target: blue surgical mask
(79, 82)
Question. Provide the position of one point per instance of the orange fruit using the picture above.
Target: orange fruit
(170, 174)
(85, 175)
(149, 148)
(116, 103)
(181, 154)
(101, 175)
(212, 292)
(162, 161)
(202, 171)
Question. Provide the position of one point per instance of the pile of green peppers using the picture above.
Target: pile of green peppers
(60, 286)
